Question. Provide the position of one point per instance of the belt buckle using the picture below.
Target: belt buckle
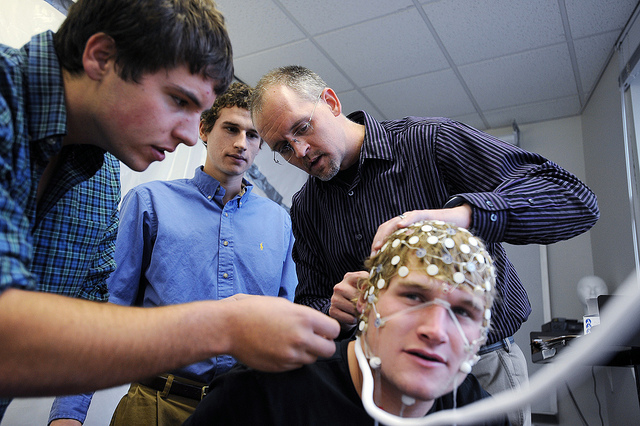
(204, 391)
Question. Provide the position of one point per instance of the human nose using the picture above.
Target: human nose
(240, 141)
(434, 323)
(300, 147)
(186, 131)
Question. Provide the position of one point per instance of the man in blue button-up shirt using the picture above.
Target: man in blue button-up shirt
(197, 239)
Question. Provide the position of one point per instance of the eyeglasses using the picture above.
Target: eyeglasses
(286, 150)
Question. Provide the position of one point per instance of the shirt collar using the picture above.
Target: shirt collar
(211, 188)
(46, 109)
(375, 144)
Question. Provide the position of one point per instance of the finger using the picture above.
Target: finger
(343, 317)
(322, 346)
(325, 326)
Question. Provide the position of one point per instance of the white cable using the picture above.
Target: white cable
(619, 319)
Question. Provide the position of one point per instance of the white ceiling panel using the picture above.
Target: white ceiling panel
(354, 101)
(592, 54)
(534, 112)
(250, 68)
(384, 49)
(484, 62)
(473, 31)
(589, 17)
(318, 17)
(536, 75)
(433, 94)
(257, 25)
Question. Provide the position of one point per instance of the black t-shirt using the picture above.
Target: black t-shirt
(318, 394)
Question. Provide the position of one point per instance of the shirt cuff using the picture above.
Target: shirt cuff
(73, 407)
(489, 214)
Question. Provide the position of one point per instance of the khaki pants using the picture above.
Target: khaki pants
(143, 406)
(501, 370)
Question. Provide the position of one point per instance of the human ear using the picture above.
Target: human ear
(98, 55)
(203, 134)
(331, 99)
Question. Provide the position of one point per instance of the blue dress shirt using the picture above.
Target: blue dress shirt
(178, 243)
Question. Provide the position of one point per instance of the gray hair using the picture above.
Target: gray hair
(304, 82)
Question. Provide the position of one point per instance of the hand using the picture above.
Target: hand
(460, 215)
(273, 334)
(343, 306)
(65, 422)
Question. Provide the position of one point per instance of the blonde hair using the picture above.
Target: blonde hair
(448, 253)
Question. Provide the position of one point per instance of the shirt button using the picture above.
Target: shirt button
(225, 275)
(494, 217)
(530, 200)
(210, 197)
(489, 203)
(350, 193)
(226, 215)
(226, 243)
(358, 237)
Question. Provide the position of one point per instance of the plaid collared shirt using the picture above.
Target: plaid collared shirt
(64, 242)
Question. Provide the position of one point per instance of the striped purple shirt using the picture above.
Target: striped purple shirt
(420, 163)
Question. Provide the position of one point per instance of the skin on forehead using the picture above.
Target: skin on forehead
(422, 288)
(277, 119)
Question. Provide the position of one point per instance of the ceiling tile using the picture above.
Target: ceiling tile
(526, 77)
(318, 17)
(354, 101)
(592, 54)
(534, 112)
(473, 30)
(385, 49)
(257, 25)
(250, 68)
(589, 17)
(433, 95)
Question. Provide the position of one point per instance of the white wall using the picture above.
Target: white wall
(606, 174)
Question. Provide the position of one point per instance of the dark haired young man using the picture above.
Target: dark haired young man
(128, 77)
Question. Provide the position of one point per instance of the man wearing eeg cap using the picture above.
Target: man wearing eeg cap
(424, 312)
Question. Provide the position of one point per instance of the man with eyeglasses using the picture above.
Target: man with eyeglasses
(369, 178)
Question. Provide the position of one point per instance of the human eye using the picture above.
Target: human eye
(231, 129)
(285, 148)
(180, 102)
(303, 129)
(413, 297)
(466, 312)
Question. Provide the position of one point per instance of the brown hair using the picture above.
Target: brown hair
(150, 35)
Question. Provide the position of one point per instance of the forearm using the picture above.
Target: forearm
(52, 344)
(57, 345)
(557, 210)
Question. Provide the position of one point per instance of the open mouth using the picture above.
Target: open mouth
(314, 162)
(426, 357)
